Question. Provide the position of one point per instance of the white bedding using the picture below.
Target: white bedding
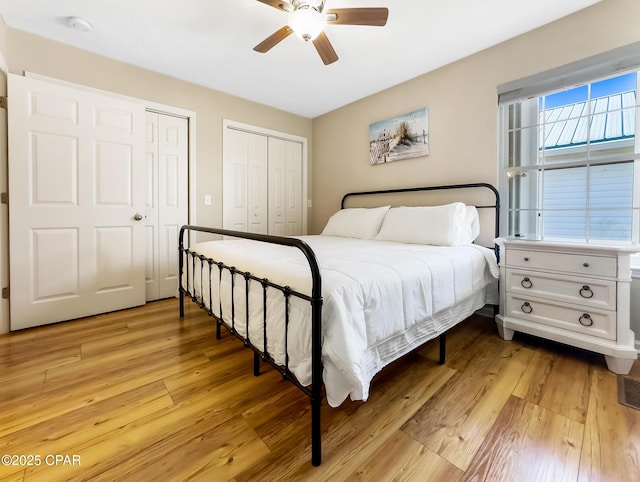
(381, 300)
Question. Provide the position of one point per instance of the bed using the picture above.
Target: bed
(330, 311)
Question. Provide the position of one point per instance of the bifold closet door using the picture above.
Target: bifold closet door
(244, 173)
(76, 202)
(285, 187)
(262, 183)
(166, 201)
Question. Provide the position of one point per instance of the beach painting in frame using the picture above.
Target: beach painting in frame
(402, 137)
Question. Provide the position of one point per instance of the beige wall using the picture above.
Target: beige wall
(27, 52)
(462, 103)
(461, 98)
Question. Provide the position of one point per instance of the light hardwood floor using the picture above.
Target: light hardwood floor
(143, 395)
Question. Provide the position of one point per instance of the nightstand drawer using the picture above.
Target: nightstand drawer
(589, 321)
(570, 263)
(578, 290)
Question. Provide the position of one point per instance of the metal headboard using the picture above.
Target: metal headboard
(479, 185)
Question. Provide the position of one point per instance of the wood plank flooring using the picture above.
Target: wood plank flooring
(144, 395)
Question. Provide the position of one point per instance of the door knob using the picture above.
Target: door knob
(138, 217)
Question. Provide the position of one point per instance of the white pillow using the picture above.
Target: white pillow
(470, 227)
(436, 225)
(362, 223)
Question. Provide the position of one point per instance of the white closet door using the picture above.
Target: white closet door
(264, 185)
(244, 182)
(152, 286)
(277, 188)
(257, 215)
(293, 188)
(76, 184)
(173, 197)
(166, 201)
(234, 180)
(285, 187)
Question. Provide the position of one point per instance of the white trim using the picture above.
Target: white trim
(155, 107)
(231, 124)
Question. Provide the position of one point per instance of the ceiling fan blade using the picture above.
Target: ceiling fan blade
(273, 40)
(325, 49)
(375, 16)
(279, 4)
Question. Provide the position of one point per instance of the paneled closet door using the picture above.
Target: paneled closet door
(264, 186)
(166, 200)
(285, 187)
(76, 202)
(245, 182)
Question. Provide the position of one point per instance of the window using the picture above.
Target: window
(569, 163)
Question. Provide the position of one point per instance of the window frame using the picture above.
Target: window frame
(511, 113)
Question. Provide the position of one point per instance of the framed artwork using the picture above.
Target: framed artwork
(402, 137)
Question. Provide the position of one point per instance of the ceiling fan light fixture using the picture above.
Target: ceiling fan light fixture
(306, 22)
(307, 19)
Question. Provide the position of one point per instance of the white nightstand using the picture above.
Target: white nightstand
(576, 294)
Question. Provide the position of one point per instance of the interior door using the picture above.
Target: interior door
(244, 184)
(293, 188)
(166, 200)
(285, 187)
(76, 203)
(264, 180)
(152, 286)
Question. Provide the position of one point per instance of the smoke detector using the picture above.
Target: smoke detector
(79, 24)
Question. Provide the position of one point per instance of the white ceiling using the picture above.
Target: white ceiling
(210, 42)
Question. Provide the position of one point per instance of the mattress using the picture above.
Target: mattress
(380, 300)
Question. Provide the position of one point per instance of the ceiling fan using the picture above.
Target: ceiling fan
(307, 19)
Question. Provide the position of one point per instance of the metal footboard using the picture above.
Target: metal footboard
(206, 268)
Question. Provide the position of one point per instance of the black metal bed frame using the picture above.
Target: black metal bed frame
(209, 267)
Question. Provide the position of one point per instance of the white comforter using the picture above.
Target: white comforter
(381, 300)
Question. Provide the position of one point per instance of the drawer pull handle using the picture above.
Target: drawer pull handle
(586, 265)
(585, 320)
(586, 292)
(526, 308)
(526, 259)
(526, 283)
